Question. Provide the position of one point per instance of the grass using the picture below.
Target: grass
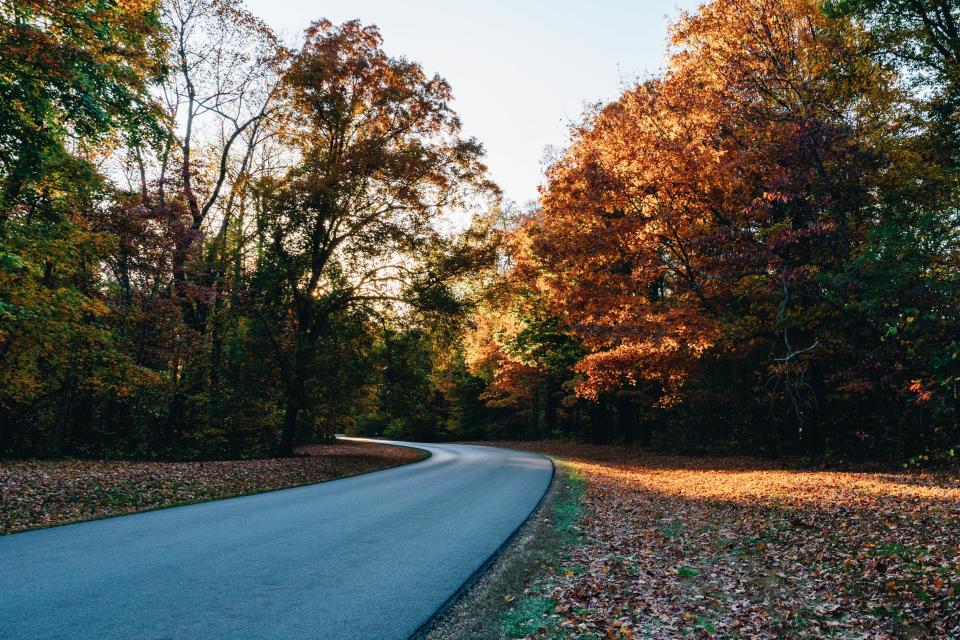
(526, 616)
(501, 604)
(527, 613)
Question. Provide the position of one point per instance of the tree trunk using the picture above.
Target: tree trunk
(294, 393)
(550, 407)
(288, 436)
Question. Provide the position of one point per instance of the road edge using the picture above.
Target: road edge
(428, 625)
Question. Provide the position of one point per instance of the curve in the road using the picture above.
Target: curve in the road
(372, 556)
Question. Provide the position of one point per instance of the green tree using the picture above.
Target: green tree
(75, 79)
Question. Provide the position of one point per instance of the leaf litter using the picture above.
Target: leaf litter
(682, 547)
(43, 493)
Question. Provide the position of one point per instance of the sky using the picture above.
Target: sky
(521, 70)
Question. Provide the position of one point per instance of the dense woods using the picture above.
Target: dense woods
(210, 240)
(216, 245)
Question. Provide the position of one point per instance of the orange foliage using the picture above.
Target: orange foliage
(672, 199)
(486, 350)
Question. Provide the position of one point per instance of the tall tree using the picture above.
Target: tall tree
(73, 71)
(353, 224)
(923, 37)
(224, 66)
(716, 232)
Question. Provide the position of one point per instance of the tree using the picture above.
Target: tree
(922, 37)
(76, 78)
(352, 224)
(72, 70)
(199, 227)
(525, 354)
(225, 67)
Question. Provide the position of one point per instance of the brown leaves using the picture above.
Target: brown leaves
(734, 547)
(45, 493)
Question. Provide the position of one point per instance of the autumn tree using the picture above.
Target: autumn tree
(202, 231)
(920, 275)
(224, 65)
(76, 79)
(352, 224)
(74, 69)
(523, 352)
(714, 237)
(922, 37)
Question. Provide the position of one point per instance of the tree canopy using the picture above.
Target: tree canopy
(756, 249)
(213, 244)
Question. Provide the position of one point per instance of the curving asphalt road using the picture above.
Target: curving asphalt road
(373, 556)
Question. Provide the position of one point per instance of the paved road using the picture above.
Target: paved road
(372, 556)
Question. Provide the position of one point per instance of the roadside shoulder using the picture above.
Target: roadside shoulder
(498, 602)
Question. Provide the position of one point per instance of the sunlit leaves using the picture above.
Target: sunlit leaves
(677, 547)
(738, 214)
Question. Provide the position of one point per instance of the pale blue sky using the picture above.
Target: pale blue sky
(521, 70)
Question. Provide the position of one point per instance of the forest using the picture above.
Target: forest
(215, 244)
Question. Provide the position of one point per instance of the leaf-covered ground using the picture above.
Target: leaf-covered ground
(676, 547)
(41, 493)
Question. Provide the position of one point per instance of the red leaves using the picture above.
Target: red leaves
(920, 392)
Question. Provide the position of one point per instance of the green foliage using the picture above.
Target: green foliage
(408, 404)
(130, 325)
(76, 68)
(688, 572)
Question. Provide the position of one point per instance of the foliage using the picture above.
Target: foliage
(74, 69)
(213, 245)
(203, 231)
(756, 250)
(76, 75)
(379, 159)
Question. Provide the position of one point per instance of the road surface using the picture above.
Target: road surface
(372, 556)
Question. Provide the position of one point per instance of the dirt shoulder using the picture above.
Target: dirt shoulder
(43, 493)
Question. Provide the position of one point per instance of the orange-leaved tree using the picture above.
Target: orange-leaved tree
(353, 223)
(712, 226)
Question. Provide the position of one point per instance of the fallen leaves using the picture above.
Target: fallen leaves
(677, 547)
(51, 492)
